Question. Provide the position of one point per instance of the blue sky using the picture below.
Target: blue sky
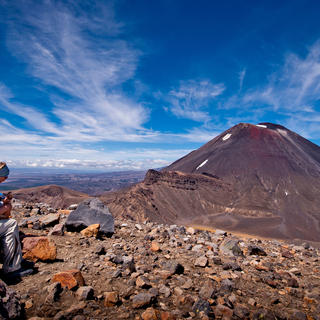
(116, 85)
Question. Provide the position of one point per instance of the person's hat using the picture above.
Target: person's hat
(4, 170)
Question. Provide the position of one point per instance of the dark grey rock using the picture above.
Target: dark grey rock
(202, 306)
(91, 211)
(241, 311)
(174, 267)
(207, 290)
(226, 286)
(85, 293)
(142, 300)
(255, 250)
(231, 266)
(54, 291)
(100, 250)
(10, 305)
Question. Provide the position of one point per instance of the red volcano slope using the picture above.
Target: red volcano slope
(263, 180)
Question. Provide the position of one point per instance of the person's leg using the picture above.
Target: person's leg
(10, 245)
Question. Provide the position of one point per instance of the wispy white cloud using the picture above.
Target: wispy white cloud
(292, 92)
(242, 75)
(63, 47)
(191, 99)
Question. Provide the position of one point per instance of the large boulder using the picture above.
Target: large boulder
(91, 211)
(10, 306)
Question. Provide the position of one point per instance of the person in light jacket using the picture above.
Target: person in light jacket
(10, 246)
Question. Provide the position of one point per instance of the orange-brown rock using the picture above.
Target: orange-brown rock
(165, 315)
(91, 231)
(70, 278)
(64, 211)
(150, 314)
(155, 247)
(111, 298)
(39, 248)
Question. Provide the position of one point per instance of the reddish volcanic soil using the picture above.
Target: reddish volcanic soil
(262, 180)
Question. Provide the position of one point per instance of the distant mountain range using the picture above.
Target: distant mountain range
(261, 179)
(90, 183)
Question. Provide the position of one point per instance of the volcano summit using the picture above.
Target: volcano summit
(259, 179)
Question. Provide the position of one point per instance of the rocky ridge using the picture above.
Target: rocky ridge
(156, 271)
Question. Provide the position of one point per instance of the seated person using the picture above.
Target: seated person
(10, 246)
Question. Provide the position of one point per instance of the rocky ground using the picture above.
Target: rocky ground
(150, 271)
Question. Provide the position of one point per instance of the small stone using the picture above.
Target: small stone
(85, 293)
(217, 260)
(174, 267)
(252, 302)
(143, 282)
(187, 284)
(117, 274)
(207, 290)
(155, 246)
(91, 231)
(201, 262)
(255, 250)
(50, 219)
(286, 254)
(149, 314)
(110, 298)
(28, 304)
(70, 278)
(165, 291)
(298, 315)
(231, 247)
(292, 282)
(165, 315)
(190, 230)
(202, 306)
(223, 311)
(178, 291)
(58, 230)
(141, 300)
(73, 206)
(154, 292)
(241, 311)
(54, 291)
(197, 248)
(226, 285)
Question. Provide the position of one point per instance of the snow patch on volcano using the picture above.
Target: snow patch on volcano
(227, 136)
(282, 132)
(202, 164)
(261, 126)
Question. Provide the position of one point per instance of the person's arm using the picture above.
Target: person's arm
(5, 211)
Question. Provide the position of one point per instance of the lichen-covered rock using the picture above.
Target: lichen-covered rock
(70, 279)
(39, 248)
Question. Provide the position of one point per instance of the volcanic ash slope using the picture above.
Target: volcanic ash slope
(258, 179)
